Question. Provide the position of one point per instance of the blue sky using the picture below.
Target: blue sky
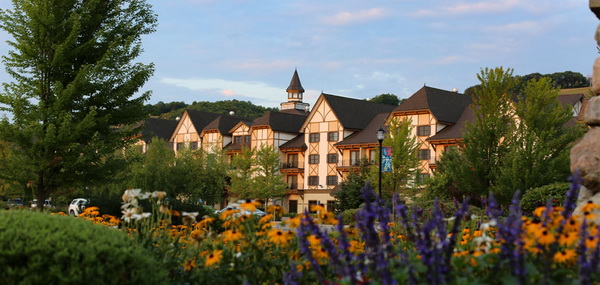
(210, 50)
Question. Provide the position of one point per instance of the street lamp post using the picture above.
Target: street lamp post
(380, 137)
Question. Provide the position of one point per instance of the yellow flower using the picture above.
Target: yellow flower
(204, 223)
(539, 211)
(545, 237)
(275, 209)
(265, 219)
(278, 237)
(567, 239)
(356, 246)
(232, 235)
(213, 258)
(590, 207)
(293, 222)
(591, 242)
(249, 206)
(91, 211)
(189, 264)
(320, 253)
(227, 213)
(565, 256)
(314, 240)
(317, 208)
(196, 235)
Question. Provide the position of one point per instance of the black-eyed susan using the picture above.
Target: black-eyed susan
(565, 256)
(314, 240)
(249, 206)
(204, 223)
(591, 242)
(320, 253)
(265, 219)
(317, 208)
(293, 222)
(278, 236)
(545, 237)
(356, 246)
(189, 264)
(213, 258)
(567, 239)
(232, 235)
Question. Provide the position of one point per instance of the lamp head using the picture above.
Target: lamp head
(380, 134)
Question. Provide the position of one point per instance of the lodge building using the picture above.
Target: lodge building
(319, 146)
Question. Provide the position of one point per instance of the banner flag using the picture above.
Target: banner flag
(386, 159)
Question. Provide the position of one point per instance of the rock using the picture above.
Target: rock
(585, 197)
(596, 77)
(585, 159)
(591, 114)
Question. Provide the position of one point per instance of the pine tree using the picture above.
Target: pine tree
(74, 90)
(268, 182)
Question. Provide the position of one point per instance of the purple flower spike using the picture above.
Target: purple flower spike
(571, 196)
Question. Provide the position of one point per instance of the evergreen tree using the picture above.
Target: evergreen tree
(74, 90)
(348, 196)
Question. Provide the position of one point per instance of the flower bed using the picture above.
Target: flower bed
(398, 245)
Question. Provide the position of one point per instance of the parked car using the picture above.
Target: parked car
(15, 203)
(235, 206)
(77, 206)
(47, 204)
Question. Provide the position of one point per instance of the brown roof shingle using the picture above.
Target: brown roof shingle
(368, 134)
(446, 106)
(281, 122)
(355, 114)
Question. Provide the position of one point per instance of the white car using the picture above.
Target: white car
(236, 206)
(77, 206)
(47, 204)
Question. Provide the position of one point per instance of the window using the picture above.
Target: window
(332, 136)
(422, 178)
(237, 139)
(292, 160)
(332, 180)
(293, 206)
(194, 145)
(292, 182)
(247, 139)
(180, 146)
(332, 158)
(424, 154)
(313, 180)
(331, 206)
(423, 131)
(373, 156)
(313, 159)
(314, 137)
(354, 157)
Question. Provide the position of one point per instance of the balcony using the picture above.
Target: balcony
(346, 165)
(294, 189)
(292, 167)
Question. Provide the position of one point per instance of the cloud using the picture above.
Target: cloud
(462, 8)
(529, 27)
(227, 88)
(349, 18)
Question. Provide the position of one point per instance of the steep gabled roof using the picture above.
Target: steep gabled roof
(446, 106)
(201, 119)
(355, 114)
(295, 84)
(281, 122)
(368, 134)
(570, 99)
(455, 131)
(155, 127)
(295, 143)
(224, 123)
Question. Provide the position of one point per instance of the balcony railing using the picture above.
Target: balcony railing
(293, 164)
(292, 186)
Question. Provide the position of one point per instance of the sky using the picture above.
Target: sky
(211, 50)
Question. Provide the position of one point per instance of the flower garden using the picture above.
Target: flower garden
(388, 244)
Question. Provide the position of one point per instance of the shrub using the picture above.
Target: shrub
(349, 216)
(538, 197)
(38, 248)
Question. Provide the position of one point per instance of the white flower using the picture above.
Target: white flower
(141, 216)
(129, 214)
(159, 195)
(131, 194)
(190, 214)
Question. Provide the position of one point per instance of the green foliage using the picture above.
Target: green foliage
(539, 143)
(38, 248)
(474, 168)
(538, 197)
(405, 161)
(348, 196)
(268, 182)
(242, 173)
(240, 108)
(349, 216)
(188, 175)
(387, 98)
(74, 90)
(162, 108)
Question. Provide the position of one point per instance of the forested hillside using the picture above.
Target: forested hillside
(173, 110)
